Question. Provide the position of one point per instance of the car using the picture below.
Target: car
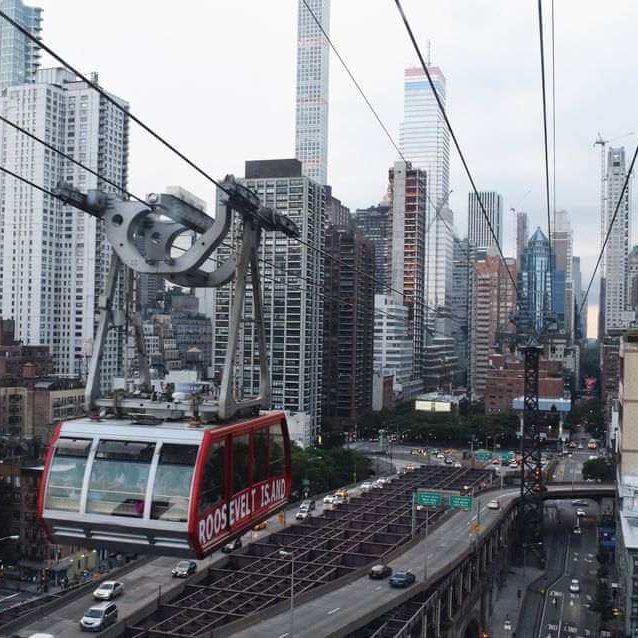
(402, 579)
(99, 617)
(184, 569)
(448, 461)
(507, 625)
(577, 530)
(260, 526)
(493, 504)
(457, 465)
(496, 461)
(379, 572)
(232, 546)
(342, 493)
(378, 484)
(338, 500)
(302, 515)
(41, 636)
(108, 590)
(329, 499)
(410, 467)
(434, 451)
(441, 456)
(513, 465)
(592, 457)
(580, 513)
(574, 586)
(366, 486)
(308, 503)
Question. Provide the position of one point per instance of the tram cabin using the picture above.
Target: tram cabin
(168, 489)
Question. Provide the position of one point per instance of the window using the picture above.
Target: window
(260, 451)
(119, 477)
(212, 488)
(276, 451)
(171, 490)
(66, 475)
(241, 469)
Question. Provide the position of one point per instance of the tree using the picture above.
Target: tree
(599, 470)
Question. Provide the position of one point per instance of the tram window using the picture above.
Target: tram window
(118, 478)
(64, 486)
(241, 469)
(171, 490)
(276, 451)
(260, 462)
(213, 484)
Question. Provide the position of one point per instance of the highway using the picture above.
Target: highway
(566, 612)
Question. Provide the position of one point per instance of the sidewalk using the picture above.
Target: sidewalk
(508, 604)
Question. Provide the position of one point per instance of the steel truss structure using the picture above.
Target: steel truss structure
(532, 488)
(335, 544)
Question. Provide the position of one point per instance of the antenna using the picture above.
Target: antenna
(429, 52)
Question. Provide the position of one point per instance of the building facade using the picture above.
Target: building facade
(19, 56)
(313, 56)
(478, 230)
(348, 341)
(617, 308)
(375, 224)
(408, 188)
(54, 258)
(522, 234)
(292, 277)
(580, 315)
(563, 276)
(493, 306)
(461, 305)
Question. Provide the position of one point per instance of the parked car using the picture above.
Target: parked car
(184, 569)
(574, 586)
(108, 590)
(402, 579)
(99, 617)
(379, 572)
(494, 504)
(232, 546)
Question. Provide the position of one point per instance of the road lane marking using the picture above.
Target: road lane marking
(335, 610)
(283, 635)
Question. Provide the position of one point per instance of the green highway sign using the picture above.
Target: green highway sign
(507, 456)
(483, 455)
(460, 502)
(429, 499)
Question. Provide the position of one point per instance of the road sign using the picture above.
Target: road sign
(483, 455)
(429, 499)
(507, 456)
(460, 502)
(476, 527)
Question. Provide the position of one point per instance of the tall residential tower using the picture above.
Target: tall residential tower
(311, 128)
(19, 56)
(478, 230)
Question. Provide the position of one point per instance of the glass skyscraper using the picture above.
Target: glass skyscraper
(311, 127)
(535, 282)
(19, 57)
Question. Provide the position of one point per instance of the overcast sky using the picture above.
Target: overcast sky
(217, 78)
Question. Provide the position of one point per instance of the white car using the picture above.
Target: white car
(337, 499)
(366, 486)
(440, 456)
(493, 505)
(378, 484)
(302, 515)
(457, 465)
(108, 590)
(328, 499)
(507, 625)
(574, 586)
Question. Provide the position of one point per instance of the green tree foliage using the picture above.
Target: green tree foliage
(599, 470)
(591, 414)
(326, 470)
(602, 601)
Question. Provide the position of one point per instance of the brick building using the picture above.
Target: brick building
(505, 382)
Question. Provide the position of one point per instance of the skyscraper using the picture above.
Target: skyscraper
(535, 282)
(375, 224)
(292, 277)
(522, 234)
(311, 128)
(407, 250)
(19, 56)
(55, 259)
(424, 141)
(478, 232)
(616, 259)
(580, 317)
(563, 278)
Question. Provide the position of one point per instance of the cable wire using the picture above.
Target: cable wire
(547, 191)
(611, 224)
(454, 139)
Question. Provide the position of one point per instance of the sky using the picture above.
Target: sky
(217, 79)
